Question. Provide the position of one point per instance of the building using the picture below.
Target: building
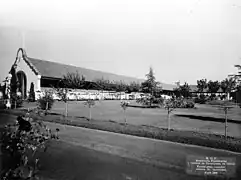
(44, 73)
(194, 90)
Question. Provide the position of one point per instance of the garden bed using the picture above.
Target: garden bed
(186, 137)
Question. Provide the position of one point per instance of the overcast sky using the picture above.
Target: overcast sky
(181, 39)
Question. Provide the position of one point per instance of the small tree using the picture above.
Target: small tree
(46, 102)
(62, 93)
(170, 105)
(124, 106)
(70, 80)
(31, 93)
(225, 107)
(90, 103)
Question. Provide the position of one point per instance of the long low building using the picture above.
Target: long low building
(44, 73)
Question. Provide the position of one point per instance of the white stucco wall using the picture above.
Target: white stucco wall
(31, 77)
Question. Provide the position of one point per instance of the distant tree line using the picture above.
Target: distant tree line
(204, 86)
(77, 81)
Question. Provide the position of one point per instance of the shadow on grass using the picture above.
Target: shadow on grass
(207, 118)
(82, 117)
(53, 113)
(143, 106)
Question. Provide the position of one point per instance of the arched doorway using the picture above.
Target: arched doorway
(22, 83)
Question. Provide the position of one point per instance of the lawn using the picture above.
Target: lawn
(205, 118)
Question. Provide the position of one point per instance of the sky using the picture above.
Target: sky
(181, 40)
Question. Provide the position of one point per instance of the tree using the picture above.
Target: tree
(14, 80)
(70, 80)
(63, 94)
(135, 87)
(16, 101)
(183, 90)
(124, 106)
(170, 105)
(90, 103)
(120, 86)
(225, 106)
(74, 80)
(104, 84)
(213, 86)
(46, 102)
(202, 84)
(150, 85)
(31, 93)
(228, 85)
(82, 78)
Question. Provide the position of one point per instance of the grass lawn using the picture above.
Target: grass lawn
(205, 118)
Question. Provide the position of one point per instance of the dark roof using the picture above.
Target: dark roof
(168, 87)
(57, 70)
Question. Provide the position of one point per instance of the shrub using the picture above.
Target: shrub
(201, 99)
(150, 100)
(190, 104)
(143, 101)
(47, 98)
(184, 103)
(31, 96)
(159, 100)
(19, 144)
